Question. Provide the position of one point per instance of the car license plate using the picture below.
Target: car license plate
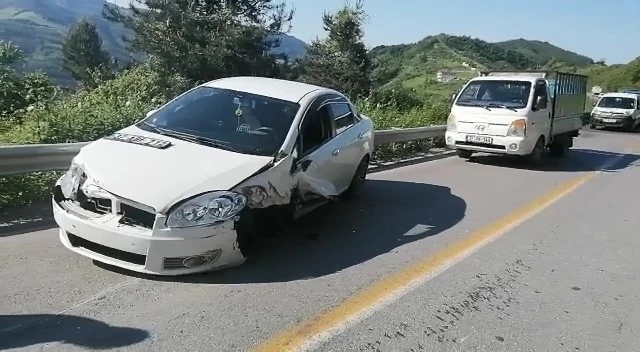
(609, 120)
(479, 139)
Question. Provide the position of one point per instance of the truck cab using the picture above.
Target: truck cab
(616, 110)
(517, 113)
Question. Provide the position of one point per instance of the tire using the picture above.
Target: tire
(592, 126)
(358, 179)
(560, 148)
(535, 158)
(464, 154)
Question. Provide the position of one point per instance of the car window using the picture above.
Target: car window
(244, 122)
(316, 127)
(342, 115)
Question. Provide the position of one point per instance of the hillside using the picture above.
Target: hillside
(614, 77)
(416, 65)
(38, 28)
(541, 52)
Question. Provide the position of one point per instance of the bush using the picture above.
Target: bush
(91, 114)
(23, 190)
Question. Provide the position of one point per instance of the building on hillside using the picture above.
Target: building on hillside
(445, 76)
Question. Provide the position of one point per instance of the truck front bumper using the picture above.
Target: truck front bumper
(491, 144)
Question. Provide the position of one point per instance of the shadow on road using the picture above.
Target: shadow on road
(22, 331)
(387, 215)
(578, 160)
(36, 217)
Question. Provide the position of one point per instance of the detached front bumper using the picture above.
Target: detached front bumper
(157, 250)
(599, 121)
(494, 144)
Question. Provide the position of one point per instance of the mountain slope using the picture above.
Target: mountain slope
(541, 52)
(416, 65)
(38, 28)
(398, 63)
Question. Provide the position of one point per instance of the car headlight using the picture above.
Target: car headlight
(628, 113)
(71, 180)
(451, 123)
(518, 128)
(207, 209)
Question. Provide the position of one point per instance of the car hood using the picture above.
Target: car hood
(614, 111)
(161, 177)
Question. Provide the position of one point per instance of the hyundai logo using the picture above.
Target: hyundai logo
(479, 127)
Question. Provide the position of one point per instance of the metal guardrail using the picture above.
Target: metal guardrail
(19, 159)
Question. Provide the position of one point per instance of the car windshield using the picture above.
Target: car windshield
(226, 119)
(495, 93)
(617, 103)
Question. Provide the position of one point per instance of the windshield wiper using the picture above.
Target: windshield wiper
(192, 138)
(464, 103)
(502, 106)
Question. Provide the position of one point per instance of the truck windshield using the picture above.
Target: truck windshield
(617, 103)
(491, 93)
(220, 118)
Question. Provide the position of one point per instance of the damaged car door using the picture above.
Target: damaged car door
(348, 143)
(316, 162)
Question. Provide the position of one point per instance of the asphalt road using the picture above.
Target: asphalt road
(493, 257)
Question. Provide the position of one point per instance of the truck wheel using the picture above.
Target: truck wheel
(560, 147)
(464, 154)
(535, 157)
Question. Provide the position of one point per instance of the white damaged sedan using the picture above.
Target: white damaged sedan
(189, 187)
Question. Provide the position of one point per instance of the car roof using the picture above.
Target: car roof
(271, 87)
(621, 95)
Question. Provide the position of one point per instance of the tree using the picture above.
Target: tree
(19, 93)
(82, 52)
(340, 61)
(206, 39)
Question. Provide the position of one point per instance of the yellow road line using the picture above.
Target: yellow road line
(355, 308)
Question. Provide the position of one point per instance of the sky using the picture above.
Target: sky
(594, 28)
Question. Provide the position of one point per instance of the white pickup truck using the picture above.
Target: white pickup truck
(519, 113)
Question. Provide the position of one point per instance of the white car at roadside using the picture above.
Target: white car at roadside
(189, 187)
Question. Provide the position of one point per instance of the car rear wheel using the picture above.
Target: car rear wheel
(357, 182)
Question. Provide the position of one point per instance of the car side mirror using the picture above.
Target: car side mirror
(151, 112)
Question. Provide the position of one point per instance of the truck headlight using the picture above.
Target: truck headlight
(518, 128)
(451, 123)
(207, 209)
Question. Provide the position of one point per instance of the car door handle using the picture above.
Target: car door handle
(361, 135)
(335, 152)
(305, 165)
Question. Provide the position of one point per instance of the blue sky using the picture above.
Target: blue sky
(598, 29)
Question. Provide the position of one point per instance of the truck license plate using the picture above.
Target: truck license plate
(479, 139)
(609, 120)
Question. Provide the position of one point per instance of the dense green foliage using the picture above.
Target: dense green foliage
(184, 36)
(82, 52)
(340, 61)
